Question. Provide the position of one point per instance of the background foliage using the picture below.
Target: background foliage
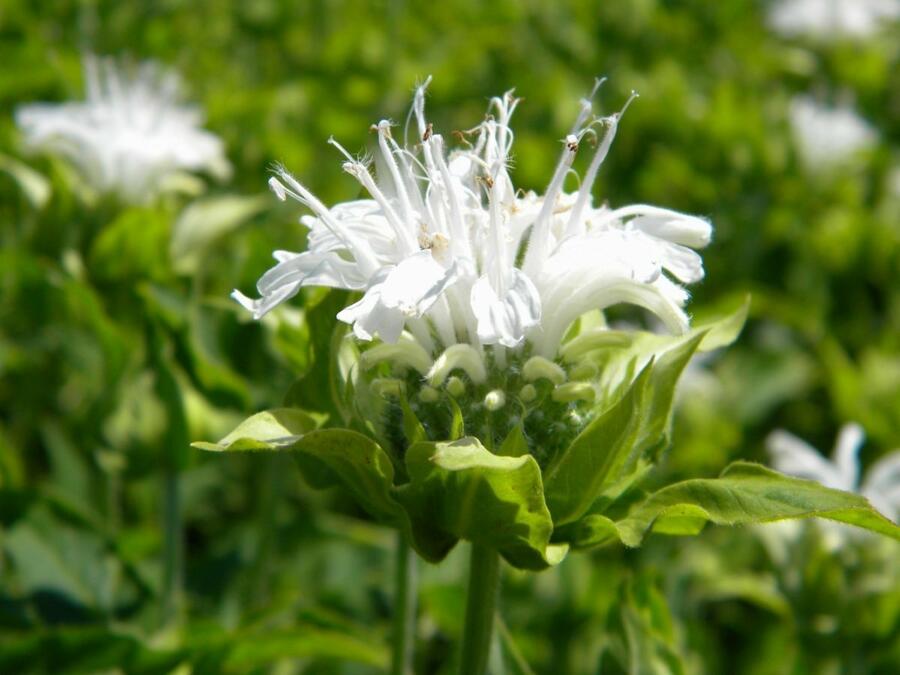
(118, 344)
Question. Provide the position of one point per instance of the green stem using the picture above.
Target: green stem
(404, 607)
(481, 600)
(173, 551)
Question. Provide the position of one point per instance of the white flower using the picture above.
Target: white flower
(827, 136)
(828, 19)
(792, 456)
(447, 249)
(129, 135)
(881, 485)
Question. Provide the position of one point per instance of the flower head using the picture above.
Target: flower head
(826, 19)
(446, 250)
(130, 133)
(826, 136)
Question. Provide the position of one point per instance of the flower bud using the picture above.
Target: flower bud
(429, 394)
(456, 387)
(528, 393)
(495, 400)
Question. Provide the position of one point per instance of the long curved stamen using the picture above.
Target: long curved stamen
(575, 224)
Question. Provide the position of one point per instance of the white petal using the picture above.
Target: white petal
(311, 269)
(684, 263)
(795, 457)
(882, 485)
(679, 228)
(397, 294)
(416, 283)
(505, 320)
(846, 454)
(295, 270)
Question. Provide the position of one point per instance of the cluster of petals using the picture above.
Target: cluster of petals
(448, 250)
(129, 135)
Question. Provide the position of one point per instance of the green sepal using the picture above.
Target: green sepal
(457, 423)
(515, 444)
(745, 493)
(724, 330)
(327, 457)
(614, 444)
(460, 490)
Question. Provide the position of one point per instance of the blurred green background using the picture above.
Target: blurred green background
(119, 345)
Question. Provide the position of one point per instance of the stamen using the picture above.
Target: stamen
(538, 242)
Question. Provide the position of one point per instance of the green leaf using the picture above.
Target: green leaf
(460, 490)
(252, 651)
(133, 246)
(35, 186)
(611, 447)
(745, 493)
(515, 444)
(327, 457)
(203, 221)
(320, 388)
(268, 430)
(641, 632)
(332, 457)
(84, 649)
(620, 354)
(723, 331)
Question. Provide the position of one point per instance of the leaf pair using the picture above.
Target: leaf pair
(456, 490)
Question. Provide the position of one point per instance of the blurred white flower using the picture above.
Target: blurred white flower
(881, 484)
(449, 250)
(828, 19)
(827, 136)
(131, 133)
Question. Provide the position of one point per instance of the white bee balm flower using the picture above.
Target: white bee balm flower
(447, 249)
(129, 135)
(827, 136)
(881, 484)
(828, 19)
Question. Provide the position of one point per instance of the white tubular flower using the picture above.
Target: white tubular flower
(881, 485)
(830, 19)
(129, 135)
(437, 248)
(827, 136)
